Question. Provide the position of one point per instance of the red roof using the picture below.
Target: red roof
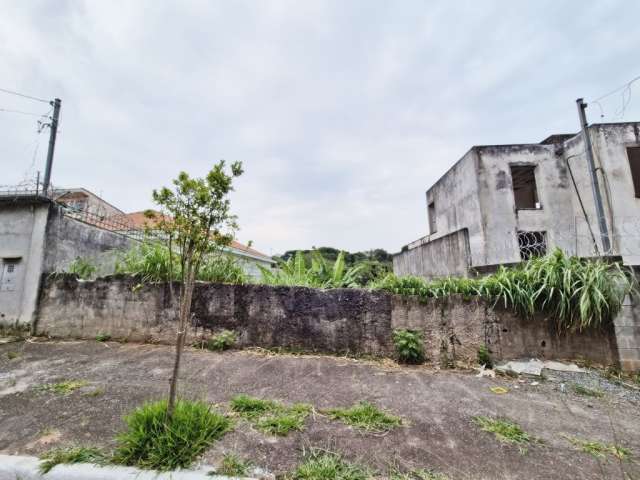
(140, 220)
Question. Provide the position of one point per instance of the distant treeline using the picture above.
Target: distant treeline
(375, 263)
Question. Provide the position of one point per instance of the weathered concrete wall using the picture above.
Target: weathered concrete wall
(22, 226)
(340, 320)
(443, 257)
(68, 238)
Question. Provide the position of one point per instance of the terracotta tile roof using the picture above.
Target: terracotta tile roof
(139, 220)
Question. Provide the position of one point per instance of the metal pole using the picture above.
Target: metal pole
(53, 131)
(595, 187)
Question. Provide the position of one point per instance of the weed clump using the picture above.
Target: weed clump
(103, 337)
(409, 346)
(322, 465)
(12, 354)
(587, 392)
(505, 431)
(419, 474)
(84, 268)
(233, 466)
(599, 449)
(62, 388)
(484, 357)
(154, 441)
(71, 455)
(223, 340)
(366, 416)
(271, 417)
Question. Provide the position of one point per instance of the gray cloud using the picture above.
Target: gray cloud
(343, 112)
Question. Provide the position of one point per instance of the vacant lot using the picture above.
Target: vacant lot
(107, 380)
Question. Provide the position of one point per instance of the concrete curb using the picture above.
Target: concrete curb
(13, 467)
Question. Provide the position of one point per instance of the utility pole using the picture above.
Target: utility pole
(53, 131)
(595, 186)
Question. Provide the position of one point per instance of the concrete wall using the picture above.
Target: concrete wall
(22, 226)
(445, 256)
(340, 320)
(37, 238)
(68, 239)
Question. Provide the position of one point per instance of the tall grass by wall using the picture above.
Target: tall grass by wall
(577, 293)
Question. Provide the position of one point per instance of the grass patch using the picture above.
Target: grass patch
(270, 416)
(12, 354)
(505, 431)
(103, 337)
(409, 346)
(588, 392)
(62, 388)
(599, 449)
(233, 466)
(366, 416)
(71, 455)
(95, 393)
(152, 441)
(223, 340)
(418, 474)
(322, 465)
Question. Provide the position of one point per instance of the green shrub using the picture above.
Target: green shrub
(223, 340)
(366, 416)
(409, 346)
(222, 268)
(83, 268)
(153, 441)
(319, 273)
(150, 260)
(71, 455)
(577, 293)
(322, 465)
(484, 357)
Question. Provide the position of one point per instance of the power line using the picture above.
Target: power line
(11, 92)
(616, 90)
(6, 110)
(625, 91)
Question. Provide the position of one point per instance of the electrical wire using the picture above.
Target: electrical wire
(11, 92)
(626, 98)
(6, 110)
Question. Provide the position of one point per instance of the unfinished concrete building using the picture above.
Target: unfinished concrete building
(502, 204)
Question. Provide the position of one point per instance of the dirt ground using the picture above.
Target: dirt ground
(437, 406)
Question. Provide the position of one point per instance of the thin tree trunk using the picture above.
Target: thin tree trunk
(185, 312)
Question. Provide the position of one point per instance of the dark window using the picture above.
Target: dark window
(634, 162)
(525, 192)
(432, 218)
(532, 244)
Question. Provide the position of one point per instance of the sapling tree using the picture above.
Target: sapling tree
(196, 221)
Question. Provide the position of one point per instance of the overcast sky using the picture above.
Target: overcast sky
(343, 112)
